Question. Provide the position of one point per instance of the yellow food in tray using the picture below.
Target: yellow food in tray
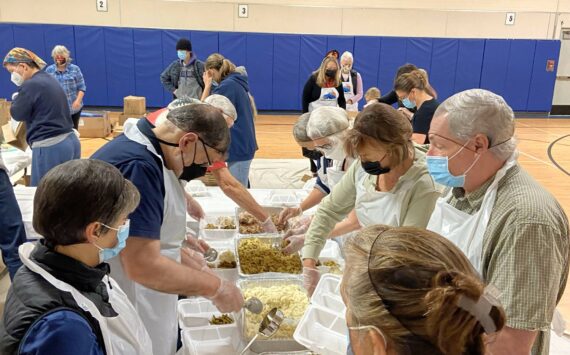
(222, 223)
(251, 225)
(257, 255)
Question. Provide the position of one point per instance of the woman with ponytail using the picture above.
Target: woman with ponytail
(222, 78)
(415, 92)
(411, 291)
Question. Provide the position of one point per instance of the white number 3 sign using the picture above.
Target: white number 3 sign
(510, 19)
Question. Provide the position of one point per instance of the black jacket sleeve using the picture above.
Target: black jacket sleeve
(389, 99)
(308, 93)
(341, 99)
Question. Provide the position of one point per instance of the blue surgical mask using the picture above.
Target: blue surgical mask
(181, 55)
(438, 168)
(122, 235)
(408, 104)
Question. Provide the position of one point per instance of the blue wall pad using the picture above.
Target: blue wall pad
(495, 65)
(313, 50)
(259, 65)
(119, 51)
(148, 65)
(233, 46)
(58, 35)
(90, 55)
(366, 60)
(542, 82)
(205, 43)
(341, 44)
(418, 52)
(7, 43)
(519, 72)
(286, 82)
(392, 56)
(469, 64)
(169, 39)
(443, 66)
(31, 37)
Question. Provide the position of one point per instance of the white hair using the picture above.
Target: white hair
(60, 50)
(479, 111)
(347, 55)
(326, 121)
(300, 128)
(224, 104)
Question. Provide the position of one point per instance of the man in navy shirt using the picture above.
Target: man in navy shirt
(153, 158)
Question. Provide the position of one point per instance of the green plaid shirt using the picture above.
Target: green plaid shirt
(525, 250)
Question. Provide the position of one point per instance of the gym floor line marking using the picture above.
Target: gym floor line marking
(549, 152)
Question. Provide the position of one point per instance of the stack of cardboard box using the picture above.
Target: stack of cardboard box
(94, 124)
(133, 107)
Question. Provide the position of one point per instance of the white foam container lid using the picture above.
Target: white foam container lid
(215, 340)
(196, 188)
(197, 312)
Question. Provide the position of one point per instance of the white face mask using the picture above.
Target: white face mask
(334, 150)
(17, 79)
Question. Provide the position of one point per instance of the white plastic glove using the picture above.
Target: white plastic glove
(196, 244)
(228, 298)
(300, 226)
(288, 213)
(193, 259)
(310, 279)
(268, 226)
(296, 243)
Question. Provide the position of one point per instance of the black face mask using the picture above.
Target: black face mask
(312, 154)
(374, 168)
(192, 172)
(331, 73)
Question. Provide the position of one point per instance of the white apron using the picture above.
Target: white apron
(124, 334)
(329, 97)
(337, 171)
(465, 230)
(348, 94)
(157, 309)
(377, 207)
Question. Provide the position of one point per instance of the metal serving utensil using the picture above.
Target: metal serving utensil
(268, 327)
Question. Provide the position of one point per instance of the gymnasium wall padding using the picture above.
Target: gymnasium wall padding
(7, 43)
(443, 66)
(286, 64)
(119, 54)
(259, 65)
(469, 64)
(542, 81)
(366, 59)
(117, 62)
(91, 58)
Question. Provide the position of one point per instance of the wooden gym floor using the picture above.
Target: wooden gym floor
(544, 146)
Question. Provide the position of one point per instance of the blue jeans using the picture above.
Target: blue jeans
(43, 159)
(240, 170)
(12, 232)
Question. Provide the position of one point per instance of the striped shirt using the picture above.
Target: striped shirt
(525, 250)
(71, 80)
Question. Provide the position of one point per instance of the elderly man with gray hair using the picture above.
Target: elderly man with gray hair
(512, 230)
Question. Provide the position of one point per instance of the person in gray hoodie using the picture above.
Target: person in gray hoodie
(183, 77)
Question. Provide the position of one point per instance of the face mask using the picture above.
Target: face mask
(122, 235)
(192, 172)
(438, 168)
(334, 152)
(17, 79)
(331, 73)
(312, 154)
(60, 61)
(408, 104)
(181, 55)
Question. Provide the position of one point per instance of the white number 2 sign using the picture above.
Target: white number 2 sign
(101, 5)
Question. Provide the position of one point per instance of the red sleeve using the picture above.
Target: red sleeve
(217, 166)
(151, 117)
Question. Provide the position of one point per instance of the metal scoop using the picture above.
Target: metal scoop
(268, 327)
(211, 255)
(254, 305)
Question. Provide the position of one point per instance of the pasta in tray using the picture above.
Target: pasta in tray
(251, 225)
(290, 299)
(257, 256)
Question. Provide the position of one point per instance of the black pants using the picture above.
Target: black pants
(313, 165)
(75, 118)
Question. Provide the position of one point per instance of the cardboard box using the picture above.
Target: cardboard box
(117, 130)
(95, 127)
(134, 105)
(15, 134)
(4, 111)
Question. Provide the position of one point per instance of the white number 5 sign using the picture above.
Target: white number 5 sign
(101, 5)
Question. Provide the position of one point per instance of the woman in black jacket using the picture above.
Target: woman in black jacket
(324, 87)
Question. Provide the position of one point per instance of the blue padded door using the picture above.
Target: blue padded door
(7, 43)
(519, 72)
(286, 57)
(90, 54)
(119, 51)
(233, 47)
(542, 81)
(392, 56)
(495, 65)
(469, 64)
(148, 65)
(443, 67)
(259, 64)
(366, 61)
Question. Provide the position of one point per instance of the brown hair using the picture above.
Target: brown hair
(383, 124)
(407, 282)
(417, 79)
(220, 63)
(320, 73)
(372, 93)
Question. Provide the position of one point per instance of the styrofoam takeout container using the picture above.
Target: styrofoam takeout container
(196, 188)
(197, 312)
(216, 234)
(214, 340)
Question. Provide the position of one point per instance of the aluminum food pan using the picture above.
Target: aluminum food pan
(268, 209)
(269, 239)
(281, 346)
